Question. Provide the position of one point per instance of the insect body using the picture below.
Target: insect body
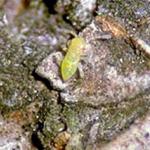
(72, 58)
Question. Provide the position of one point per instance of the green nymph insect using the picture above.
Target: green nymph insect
(72, 58)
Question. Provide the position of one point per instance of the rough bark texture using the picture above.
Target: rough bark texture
(98, 103)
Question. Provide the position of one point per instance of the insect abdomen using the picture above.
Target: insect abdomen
(69, 66)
